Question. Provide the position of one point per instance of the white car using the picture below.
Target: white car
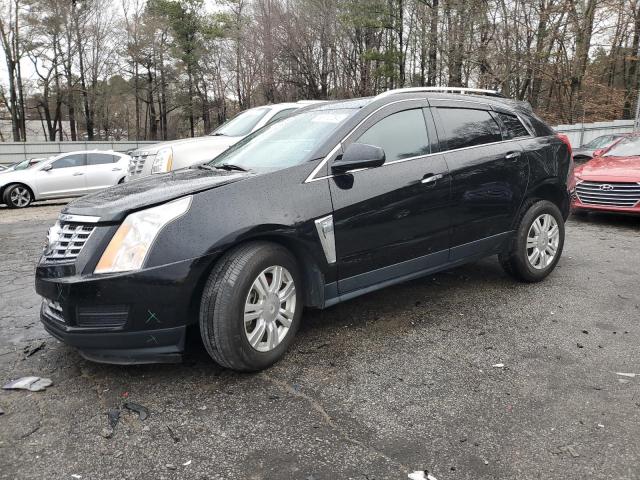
(66, 175)
(167, 156)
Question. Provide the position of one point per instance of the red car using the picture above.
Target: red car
(611, 181)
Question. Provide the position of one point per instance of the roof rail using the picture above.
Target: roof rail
(460, 90)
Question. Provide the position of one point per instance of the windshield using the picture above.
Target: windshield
(242, 124)
(599, 142)
(285, 143)
(628, 147)
(23, 165)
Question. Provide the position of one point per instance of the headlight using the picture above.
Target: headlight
(132, 242)
(163, 162)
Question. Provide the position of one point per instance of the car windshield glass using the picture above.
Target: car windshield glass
(284, 144)
(23, 165)
(629, 147)
(242, 124)
(599, 142)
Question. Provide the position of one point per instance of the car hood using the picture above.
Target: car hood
(208, 141)
(612, 167)
(114, 203)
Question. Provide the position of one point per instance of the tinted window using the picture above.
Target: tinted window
(512, 125)
(69, 161)
(400, 135)
(465, 127)
(99, 158)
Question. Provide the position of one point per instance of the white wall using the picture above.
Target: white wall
(579, 134)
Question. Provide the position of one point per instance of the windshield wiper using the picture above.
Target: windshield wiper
(230, 166)
(205, 166)
(218, 134)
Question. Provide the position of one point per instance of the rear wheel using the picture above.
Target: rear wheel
(17, 196)
(250, 308)
(537, 246)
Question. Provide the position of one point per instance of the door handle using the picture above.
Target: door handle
(431, 178)
(512, 155)
(116, 170)
(78, 174)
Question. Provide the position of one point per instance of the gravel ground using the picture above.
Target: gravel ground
(392, 382)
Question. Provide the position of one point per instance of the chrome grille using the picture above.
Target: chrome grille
(65, 241)
(52, 310)
(609, 194)
(137, 163)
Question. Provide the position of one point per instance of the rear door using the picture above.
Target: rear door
(66, 177)
(392, 221)
(103, 171)
(489, 176)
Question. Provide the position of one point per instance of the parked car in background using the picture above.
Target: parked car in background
(70, 174)
(23, 165)
(611, 182)
(336, 201)
(601, 143)
(167, 156)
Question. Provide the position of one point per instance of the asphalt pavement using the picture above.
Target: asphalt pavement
(392, 382)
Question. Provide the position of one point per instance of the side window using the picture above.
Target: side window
(99, 158)
(465, 127)
(281, 114)
(69, 161)
(512, 125)
(400, 135)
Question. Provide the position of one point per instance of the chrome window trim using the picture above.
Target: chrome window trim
(401, 160)
(312, 176)
(78, 218)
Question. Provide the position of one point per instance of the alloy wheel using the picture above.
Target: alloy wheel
(20, 197)
(542, 241)
(269, 308)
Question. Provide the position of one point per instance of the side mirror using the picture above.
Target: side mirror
(46, 168)
(599, 152)
(359, 155)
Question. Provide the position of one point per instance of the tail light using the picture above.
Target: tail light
(571, 180)
(566, 141)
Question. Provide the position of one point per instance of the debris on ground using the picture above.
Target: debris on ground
(31, 349)
(421, 475)
(579, 345)
(75, 475)
(1, 411)
(170, 466)
(174, 436)
(33, 384)
(113, 415)
(187, 463)
(498, 365)
(142, 411)
(567, 449)
(630, 375)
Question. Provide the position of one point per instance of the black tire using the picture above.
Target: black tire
(515, 260)
(12, 190)
(223, 300)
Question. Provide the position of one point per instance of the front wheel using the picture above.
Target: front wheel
(17, 196)
(251, 306)
(538, 243)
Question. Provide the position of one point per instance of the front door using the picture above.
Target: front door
(66, 177)
(489, 177)
(392, 221)
(102, 172)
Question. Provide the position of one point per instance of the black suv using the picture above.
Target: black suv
(338, 200)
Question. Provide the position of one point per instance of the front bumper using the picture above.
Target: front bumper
(135, 317)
